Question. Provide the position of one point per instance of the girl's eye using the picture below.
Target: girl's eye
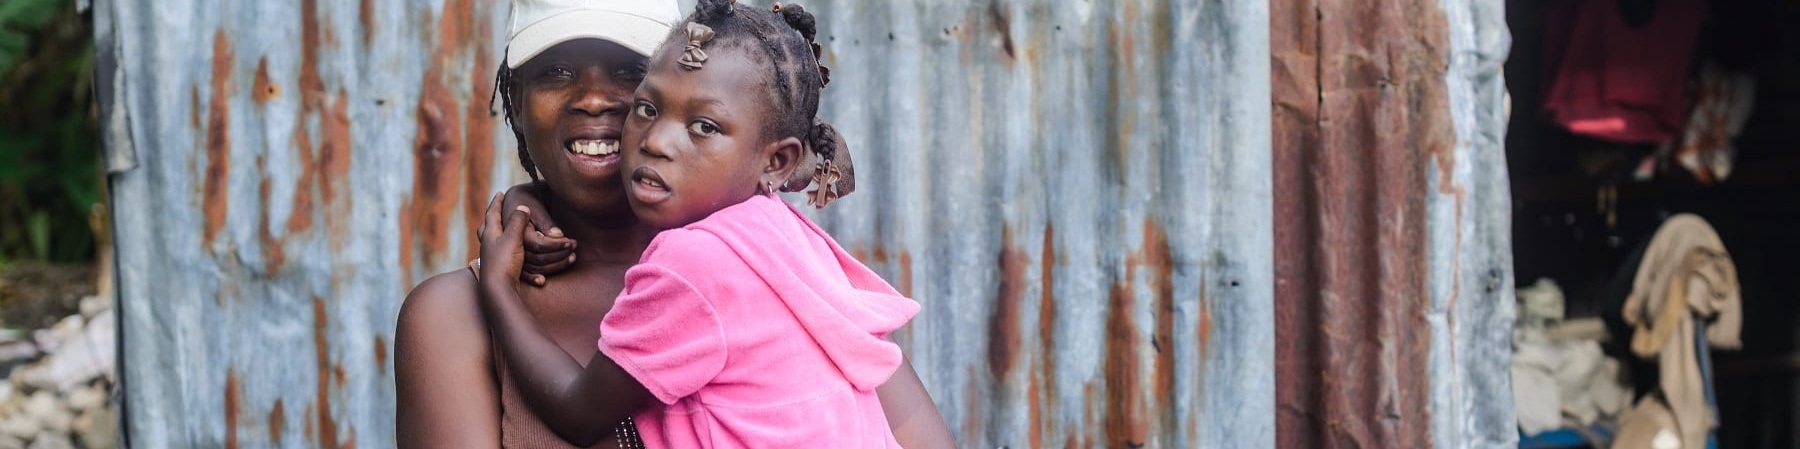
(703, 128)
(644, 110)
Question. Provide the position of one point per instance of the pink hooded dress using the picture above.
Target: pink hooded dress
(756, 330)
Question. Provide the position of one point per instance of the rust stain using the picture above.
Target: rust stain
(366, 16)
(478, 157)
(1034, 415)
(311, 86)
(301, 217)
(1003, 25)
(334, 150)
(861, 254)
(309, 424)
(438, 149)
(333, 168)
(231, 408)
(1162, 266)
(194, 107)
(1003, 324)
(218, 139)
(274, 254)
(1124, 424)
(338, 375)
(434, 175)
(906, 273)
(381, 354)
(1350, 357)
(881, 252)
(321, 326)
(263, 89)
(349, 442)
(277, 419)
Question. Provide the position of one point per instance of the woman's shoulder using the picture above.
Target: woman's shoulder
(443, 308)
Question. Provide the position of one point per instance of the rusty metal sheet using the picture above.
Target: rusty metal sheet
(1392, 288)
(1077, 192)
(297, 166)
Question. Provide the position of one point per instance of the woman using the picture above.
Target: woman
(567, 82)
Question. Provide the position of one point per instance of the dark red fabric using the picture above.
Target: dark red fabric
(1614, 81)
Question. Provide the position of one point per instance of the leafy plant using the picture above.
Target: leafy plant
(49, 157)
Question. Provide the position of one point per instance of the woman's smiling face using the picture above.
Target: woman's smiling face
(573, 100)
(695, 142)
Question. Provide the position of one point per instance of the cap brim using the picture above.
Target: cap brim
(638, 33)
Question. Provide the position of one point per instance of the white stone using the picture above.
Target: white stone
(20, 426)
(85, 398)
(97, 429)
(87, 357)
(11, 442)
(51, 440)
(93, 305)
(41, 403)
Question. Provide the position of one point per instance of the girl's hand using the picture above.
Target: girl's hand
(547, 251)
(502, 244)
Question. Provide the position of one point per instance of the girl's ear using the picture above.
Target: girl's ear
(784, 156)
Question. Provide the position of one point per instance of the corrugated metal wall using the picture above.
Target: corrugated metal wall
(1078, 192)
(1394, 268)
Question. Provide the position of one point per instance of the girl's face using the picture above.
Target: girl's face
(574, 98)
(695, 144)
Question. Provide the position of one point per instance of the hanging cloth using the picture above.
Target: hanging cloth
(1614, 81)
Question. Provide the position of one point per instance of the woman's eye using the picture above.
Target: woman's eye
(703, 128)
(559, 73)
(644, 110)
(630, 73)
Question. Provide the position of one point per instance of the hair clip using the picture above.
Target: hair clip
(693, 57)
(776, 7)
(826, 175)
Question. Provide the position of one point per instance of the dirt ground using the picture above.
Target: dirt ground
(36, 294)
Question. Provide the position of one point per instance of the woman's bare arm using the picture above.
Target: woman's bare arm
(443, 368)
(910, 412)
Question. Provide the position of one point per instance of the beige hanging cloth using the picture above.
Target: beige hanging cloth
(1685, 275)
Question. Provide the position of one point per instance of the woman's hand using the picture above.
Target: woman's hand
(547, 251)
(502, 244)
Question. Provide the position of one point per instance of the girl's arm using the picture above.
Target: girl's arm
(910, 412)
(443, 368)
(578, 404)
(547, 251)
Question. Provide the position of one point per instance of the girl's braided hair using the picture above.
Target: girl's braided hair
(785, 40)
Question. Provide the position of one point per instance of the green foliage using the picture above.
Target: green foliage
(49, 156)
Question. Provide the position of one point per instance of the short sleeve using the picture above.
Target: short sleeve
(664, 333)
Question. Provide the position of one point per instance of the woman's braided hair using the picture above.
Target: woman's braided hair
(504, 85)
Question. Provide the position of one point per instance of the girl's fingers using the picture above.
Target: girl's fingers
(539, 242)
(491, 218)
(548, 268)
(516, 223)
(544, 259)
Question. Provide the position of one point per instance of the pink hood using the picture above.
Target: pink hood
(846, 308)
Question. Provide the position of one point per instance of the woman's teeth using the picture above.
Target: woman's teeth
(594, 147)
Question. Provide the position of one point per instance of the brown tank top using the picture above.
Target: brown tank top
(520, 428)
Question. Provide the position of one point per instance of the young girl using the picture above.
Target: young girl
(749, 324)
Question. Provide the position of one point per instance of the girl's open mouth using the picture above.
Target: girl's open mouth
(648, 186)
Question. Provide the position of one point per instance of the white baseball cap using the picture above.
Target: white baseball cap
(537, 25)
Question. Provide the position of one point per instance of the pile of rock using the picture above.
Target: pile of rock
(60, 392)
